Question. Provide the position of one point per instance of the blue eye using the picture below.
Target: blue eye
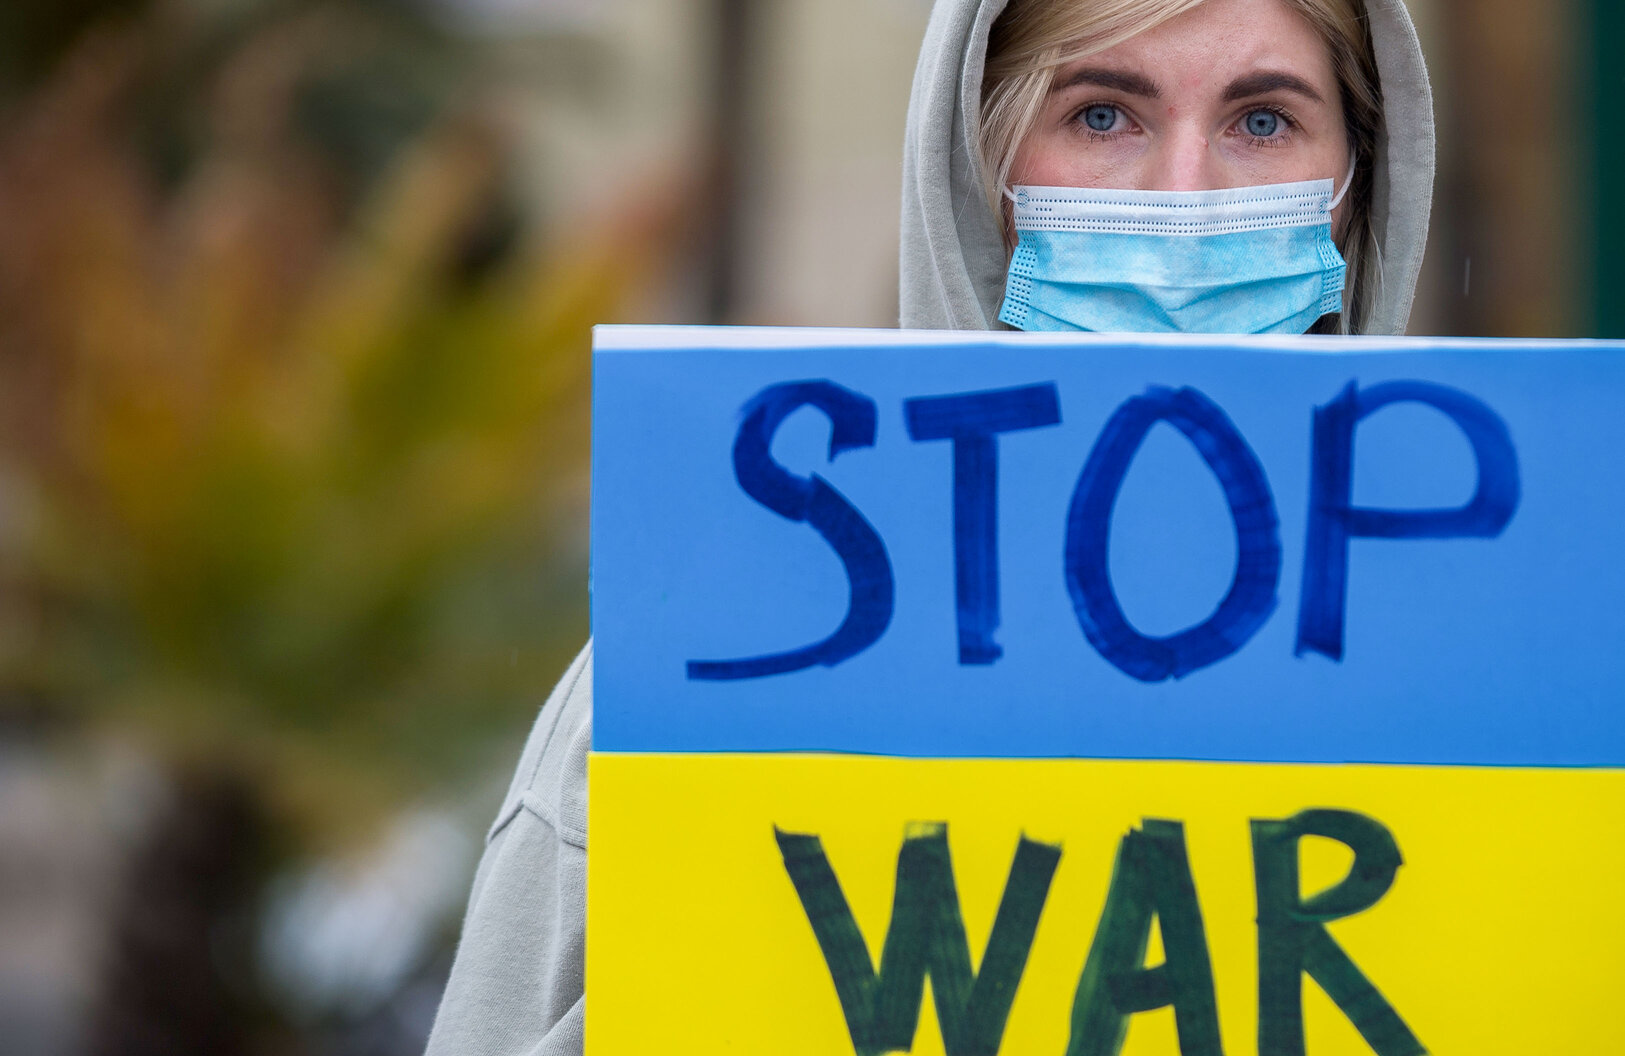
(1263, 123)
(1100, 117)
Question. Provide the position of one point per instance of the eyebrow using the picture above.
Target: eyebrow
(1117, 80)
(1269, 81)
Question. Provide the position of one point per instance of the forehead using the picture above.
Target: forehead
(1219, 40)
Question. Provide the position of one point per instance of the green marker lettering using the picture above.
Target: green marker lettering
(926, 936)
(1152, 876)
(1292, 936)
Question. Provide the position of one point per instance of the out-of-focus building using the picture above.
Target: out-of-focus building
(794, 108)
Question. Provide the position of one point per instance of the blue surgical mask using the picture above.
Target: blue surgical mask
(1247, 260)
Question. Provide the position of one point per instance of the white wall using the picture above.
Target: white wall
(821, 222)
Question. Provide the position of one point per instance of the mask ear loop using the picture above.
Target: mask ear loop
(1348, 181)
(1008, 193)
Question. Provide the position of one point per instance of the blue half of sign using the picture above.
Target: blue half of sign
(1023, 545)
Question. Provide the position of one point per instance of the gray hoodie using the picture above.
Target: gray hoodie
(516, 985)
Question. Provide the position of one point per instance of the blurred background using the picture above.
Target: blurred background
(295, 300)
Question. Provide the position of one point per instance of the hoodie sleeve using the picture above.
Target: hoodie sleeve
(516, 984)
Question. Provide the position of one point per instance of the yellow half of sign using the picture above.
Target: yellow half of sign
(1503, 931)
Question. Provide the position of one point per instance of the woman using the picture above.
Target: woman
(1183, 99)
(954, 250)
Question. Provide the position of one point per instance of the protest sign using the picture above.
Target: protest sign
(1124, 610)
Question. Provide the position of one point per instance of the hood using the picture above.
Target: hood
(953, 261)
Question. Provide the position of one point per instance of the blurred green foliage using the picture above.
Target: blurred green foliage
(35, 34)
(293, 398)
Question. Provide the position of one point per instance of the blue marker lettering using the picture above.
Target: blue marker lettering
(811, 499)
(1251, 597)
(1333, 520)
(973, 421)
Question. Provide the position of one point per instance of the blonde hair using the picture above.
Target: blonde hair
(1031, 39)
